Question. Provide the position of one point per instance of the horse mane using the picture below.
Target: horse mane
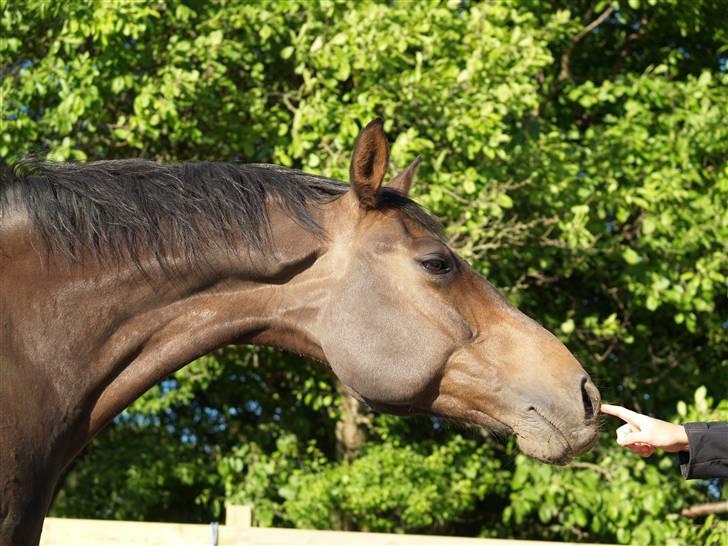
(120, 209)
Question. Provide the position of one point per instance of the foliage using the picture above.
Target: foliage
(395, 488)
(575, 150)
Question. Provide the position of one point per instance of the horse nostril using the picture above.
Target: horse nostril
(586, 399)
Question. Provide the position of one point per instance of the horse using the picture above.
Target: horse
(117, 273)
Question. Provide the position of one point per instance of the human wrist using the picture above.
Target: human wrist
(680, 438)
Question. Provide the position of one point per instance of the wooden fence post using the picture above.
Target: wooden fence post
(240, 517)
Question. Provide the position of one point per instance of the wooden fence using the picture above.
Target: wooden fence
(238, 531)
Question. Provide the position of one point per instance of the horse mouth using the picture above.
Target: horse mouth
(548, 446)
(541, 439)
(537, 436)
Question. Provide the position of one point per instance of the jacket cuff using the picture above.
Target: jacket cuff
(689, 467)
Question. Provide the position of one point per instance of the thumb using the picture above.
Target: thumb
(627, 435)
(630, 439)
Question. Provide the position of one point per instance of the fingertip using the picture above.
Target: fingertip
(611, 409)
(626, 415)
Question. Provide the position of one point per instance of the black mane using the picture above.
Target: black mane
(119, 209)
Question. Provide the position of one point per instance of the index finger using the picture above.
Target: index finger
(629, 416)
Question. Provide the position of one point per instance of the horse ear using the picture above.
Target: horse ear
(403, 181)
(369, 163)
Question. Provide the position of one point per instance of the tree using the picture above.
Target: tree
(576, 152)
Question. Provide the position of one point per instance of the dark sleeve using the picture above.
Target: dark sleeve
(708, 451)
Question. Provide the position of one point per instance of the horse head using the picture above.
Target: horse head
(410, 327)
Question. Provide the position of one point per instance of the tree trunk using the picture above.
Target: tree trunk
(351, 433)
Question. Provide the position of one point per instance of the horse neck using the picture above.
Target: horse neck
(112, 333)
(80, 343)
(244, 297)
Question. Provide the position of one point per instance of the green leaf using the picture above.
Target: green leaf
(504, 201)
(630, 256)
(568, 326)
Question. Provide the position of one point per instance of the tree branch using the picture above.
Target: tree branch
(705, 509)
(566, 56)
(591, 466)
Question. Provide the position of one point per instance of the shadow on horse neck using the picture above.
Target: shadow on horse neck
(117, 273)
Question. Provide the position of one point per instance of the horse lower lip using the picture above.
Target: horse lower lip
(542, 448)
(586, 440)
(553, 444)
(546, 442)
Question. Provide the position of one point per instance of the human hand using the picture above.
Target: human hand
(643, 434)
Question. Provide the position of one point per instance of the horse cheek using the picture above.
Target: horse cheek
(381, 351)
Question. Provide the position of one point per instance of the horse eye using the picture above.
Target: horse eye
(436, 266)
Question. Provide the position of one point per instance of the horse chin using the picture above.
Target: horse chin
(549, 449)
(549, 444)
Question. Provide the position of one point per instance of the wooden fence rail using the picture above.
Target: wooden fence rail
(238, 531)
